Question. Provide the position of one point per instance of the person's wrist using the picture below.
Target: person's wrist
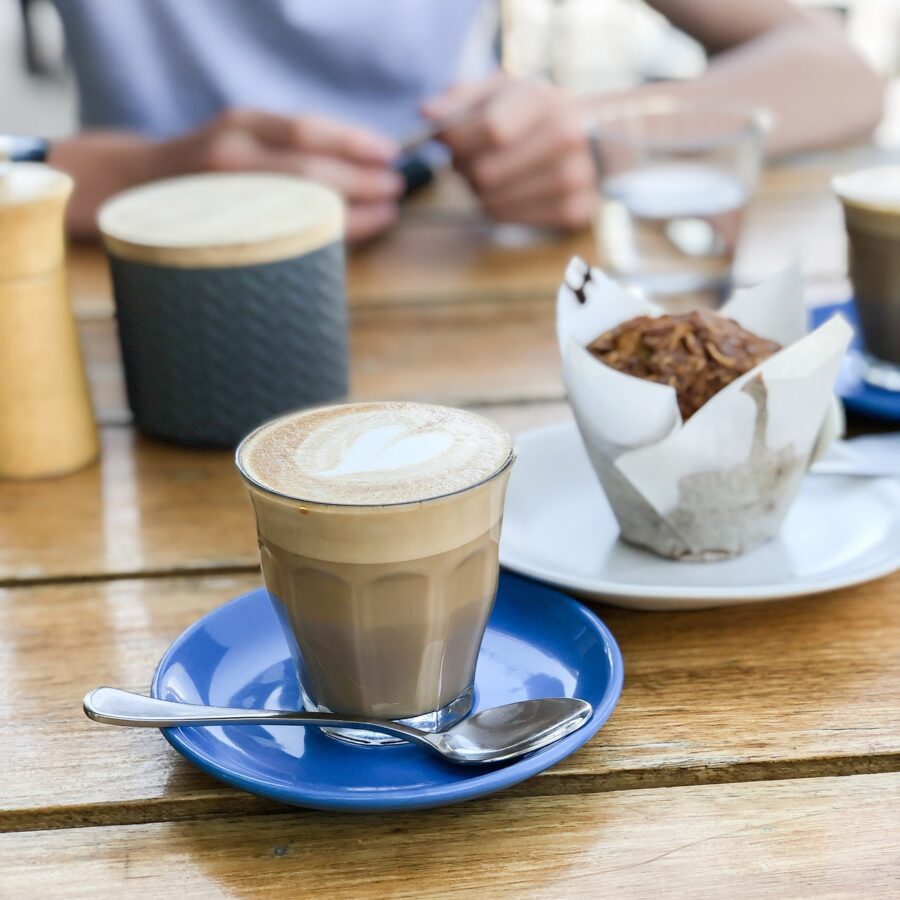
(102, 163)
(123, 159)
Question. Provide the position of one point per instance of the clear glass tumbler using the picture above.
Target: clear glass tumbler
(674, 179)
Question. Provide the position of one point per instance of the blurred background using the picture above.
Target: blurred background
(599, 45)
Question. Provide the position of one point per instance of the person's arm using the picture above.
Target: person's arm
(797, 65)
(526, 153)
(353, 161)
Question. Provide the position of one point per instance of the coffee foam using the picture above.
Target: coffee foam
(370, 454)
(877, 188)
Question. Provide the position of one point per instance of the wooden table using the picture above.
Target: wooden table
(755, 750)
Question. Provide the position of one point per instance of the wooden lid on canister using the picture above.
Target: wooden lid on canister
(32, 238)
(221, 219)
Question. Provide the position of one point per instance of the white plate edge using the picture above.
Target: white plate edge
(705, 596)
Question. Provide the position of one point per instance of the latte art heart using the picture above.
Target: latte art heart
(374, 453)
(389, 448)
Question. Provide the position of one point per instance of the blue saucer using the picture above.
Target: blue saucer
(858, 395)
(539, 643)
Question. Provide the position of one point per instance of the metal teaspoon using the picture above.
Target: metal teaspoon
(491, 735)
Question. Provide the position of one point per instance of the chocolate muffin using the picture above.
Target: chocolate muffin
(698, 354)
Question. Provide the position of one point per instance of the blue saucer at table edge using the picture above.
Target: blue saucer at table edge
(858, 395)
(538, 643)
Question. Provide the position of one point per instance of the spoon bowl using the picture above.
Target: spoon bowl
(492, 735)
(507, 732)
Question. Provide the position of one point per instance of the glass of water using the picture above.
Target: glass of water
(674, 178)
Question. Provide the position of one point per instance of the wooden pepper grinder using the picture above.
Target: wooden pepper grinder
(46, 422)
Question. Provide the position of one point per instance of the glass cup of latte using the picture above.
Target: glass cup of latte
(378, 527)
(871, 202)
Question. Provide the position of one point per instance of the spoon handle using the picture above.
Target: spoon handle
(111, 706)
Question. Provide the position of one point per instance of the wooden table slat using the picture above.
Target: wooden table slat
(814, 837)
(479, 352)
(800, 688)
(151, 508)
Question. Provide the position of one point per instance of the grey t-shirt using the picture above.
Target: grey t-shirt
(162, 67)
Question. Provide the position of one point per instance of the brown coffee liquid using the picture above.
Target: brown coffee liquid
(874, 261)
(390, 640)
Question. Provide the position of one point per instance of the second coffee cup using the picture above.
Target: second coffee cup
(871, 202)
(230, 301)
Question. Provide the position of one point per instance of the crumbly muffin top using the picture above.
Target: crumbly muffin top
(697, 354)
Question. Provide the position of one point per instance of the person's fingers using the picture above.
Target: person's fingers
(356, 182)
(264, 127)
(239, 151)
(314, 134)
(366, 220)
(570, 211)
(547, 148)
(554, 177)
(514, 112)
(231, 150)
(462, 96)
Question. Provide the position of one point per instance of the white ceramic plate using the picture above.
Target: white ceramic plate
(559, 528)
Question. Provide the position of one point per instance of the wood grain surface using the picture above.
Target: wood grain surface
(828, 837)
(799, 688)
(716, 775)
(461, 354)
(151, 508)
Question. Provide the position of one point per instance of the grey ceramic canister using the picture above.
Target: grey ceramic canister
(230, 301)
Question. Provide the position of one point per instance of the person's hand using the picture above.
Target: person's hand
(525, 152)
(354, 161)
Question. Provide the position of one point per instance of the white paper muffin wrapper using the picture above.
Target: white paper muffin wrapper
(723, 481)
